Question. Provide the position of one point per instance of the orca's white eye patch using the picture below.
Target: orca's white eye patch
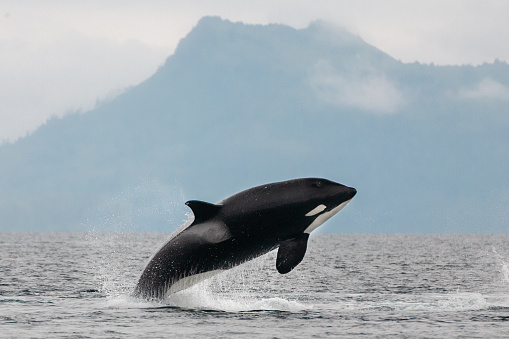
(316, 210)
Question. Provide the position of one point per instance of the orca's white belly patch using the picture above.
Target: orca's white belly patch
(194, 279)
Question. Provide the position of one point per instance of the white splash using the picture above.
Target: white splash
(201, 296)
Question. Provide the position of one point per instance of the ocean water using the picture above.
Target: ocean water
(77, 285)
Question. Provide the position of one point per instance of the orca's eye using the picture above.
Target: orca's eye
(317, 184)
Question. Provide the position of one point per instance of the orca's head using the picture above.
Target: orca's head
(320, 199)
(305, 203)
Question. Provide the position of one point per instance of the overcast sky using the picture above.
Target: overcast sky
(62, 56)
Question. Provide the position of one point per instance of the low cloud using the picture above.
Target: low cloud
(66, 74)
(486, 89)
(374, 92)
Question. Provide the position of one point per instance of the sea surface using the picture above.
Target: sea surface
(77, 285)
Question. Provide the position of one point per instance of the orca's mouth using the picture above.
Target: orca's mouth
(342, 198)
(352, 193)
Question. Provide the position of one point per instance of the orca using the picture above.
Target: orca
(240, 228)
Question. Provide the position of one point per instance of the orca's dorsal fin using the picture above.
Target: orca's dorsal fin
(291, 252)
(203, 210)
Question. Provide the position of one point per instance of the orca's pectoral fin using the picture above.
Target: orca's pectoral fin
(203, 210)
(291, 252)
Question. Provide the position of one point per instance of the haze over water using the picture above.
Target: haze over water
(78, 285)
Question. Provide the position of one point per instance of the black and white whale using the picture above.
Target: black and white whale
(240, 228)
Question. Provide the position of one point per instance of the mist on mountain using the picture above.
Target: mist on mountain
(241, 105)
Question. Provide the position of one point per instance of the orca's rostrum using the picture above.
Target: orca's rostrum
(240, 228)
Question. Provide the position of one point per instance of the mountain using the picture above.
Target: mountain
(240, 105)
